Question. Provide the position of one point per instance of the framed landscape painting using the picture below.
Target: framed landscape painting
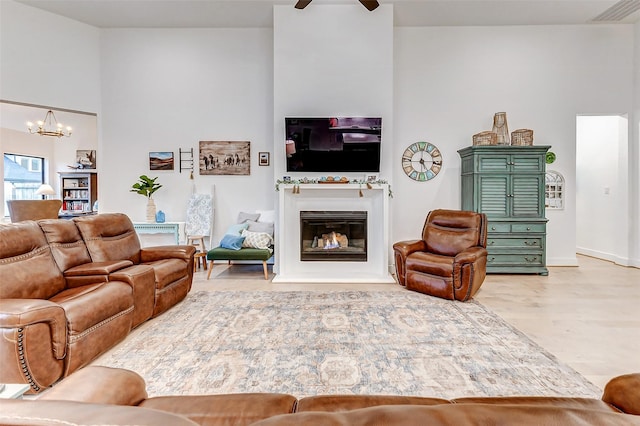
(160, 160)
(225, 158)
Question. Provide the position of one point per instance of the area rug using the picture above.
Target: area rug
(339, 342)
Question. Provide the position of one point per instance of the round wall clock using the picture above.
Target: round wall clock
(421, 161)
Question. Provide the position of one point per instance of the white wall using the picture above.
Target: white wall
(333, 60)
(46, 59)
(634, 157)
(598, 195)
(449, 81)
(166, 89)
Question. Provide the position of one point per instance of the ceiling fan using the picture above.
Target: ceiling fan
(369, 4)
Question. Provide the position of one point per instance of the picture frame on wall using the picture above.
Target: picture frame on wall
(263, 158)
(86, 159)
(224, 158)
(161, 160)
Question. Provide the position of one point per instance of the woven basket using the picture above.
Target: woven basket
(485, 138)
(522, 137)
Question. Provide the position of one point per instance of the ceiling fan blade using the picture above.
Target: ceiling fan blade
(370, 4)
(302, 4)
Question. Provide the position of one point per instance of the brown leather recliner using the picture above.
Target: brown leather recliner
(451, 258)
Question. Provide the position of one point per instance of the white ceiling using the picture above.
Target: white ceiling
(259, 13)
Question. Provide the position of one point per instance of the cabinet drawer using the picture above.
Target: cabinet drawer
(515, 259)
(514, 243)
(499, 227)
(528, 227)
(516, 228)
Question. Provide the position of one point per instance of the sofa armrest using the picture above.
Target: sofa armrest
(470, 255)
(151, 254)
(623, 392)
(97, 268)
(405, 248)
(93, 272)
(18, 313)
(401, 250)
(99, 385)
(469, 271)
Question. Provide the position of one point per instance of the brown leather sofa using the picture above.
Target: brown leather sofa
(102, 395)
(71, 289)
(449, 260)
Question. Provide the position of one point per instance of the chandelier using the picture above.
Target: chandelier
(49, 127)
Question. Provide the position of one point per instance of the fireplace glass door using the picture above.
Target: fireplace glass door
(333, 236)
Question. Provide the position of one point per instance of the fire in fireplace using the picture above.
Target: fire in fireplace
(333, 236)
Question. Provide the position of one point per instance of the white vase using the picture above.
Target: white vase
(151, 211)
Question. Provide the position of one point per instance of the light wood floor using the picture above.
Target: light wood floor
(587, 316)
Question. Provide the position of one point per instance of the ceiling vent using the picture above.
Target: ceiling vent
(618, 11)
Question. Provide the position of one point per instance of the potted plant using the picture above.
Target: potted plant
(147, 186)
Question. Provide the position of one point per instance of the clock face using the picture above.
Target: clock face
(421, 161)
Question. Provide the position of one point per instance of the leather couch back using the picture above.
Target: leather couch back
(448, 232)
(109, 236)
(27, 266)
(65, 241)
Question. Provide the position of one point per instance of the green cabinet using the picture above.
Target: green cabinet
(507, 184)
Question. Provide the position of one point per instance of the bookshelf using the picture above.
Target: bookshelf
(79, 191)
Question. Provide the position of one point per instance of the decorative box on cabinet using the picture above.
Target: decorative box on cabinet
(507, 184)
(79, 192)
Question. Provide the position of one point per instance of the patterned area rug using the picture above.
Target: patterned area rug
(340, 342)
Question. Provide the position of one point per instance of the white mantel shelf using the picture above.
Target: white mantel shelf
(337, 197)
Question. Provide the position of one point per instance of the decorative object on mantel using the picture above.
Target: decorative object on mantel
(147, 186)
(47, 127)
(287, 180)
(522, 137)
(500, 128)
(485, 138)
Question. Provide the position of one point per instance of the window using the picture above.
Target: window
(554, 190)
(23, 175)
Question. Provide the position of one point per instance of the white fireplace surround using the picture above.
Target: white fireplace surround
(333, 197)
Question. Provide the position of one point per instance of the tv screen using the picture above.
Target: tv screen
(333, 144)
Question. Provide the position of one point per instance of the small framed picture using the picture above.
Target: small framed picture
(370, 178)
(286, 179)
(161, 160)
(263, 158)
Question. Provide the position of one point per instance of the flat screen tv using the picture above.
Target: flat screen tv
(333, 144)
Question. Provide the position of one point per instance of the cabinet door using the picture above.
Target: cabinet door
(493, 163)
(527, 163)
(527, 196)
(492, 195)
